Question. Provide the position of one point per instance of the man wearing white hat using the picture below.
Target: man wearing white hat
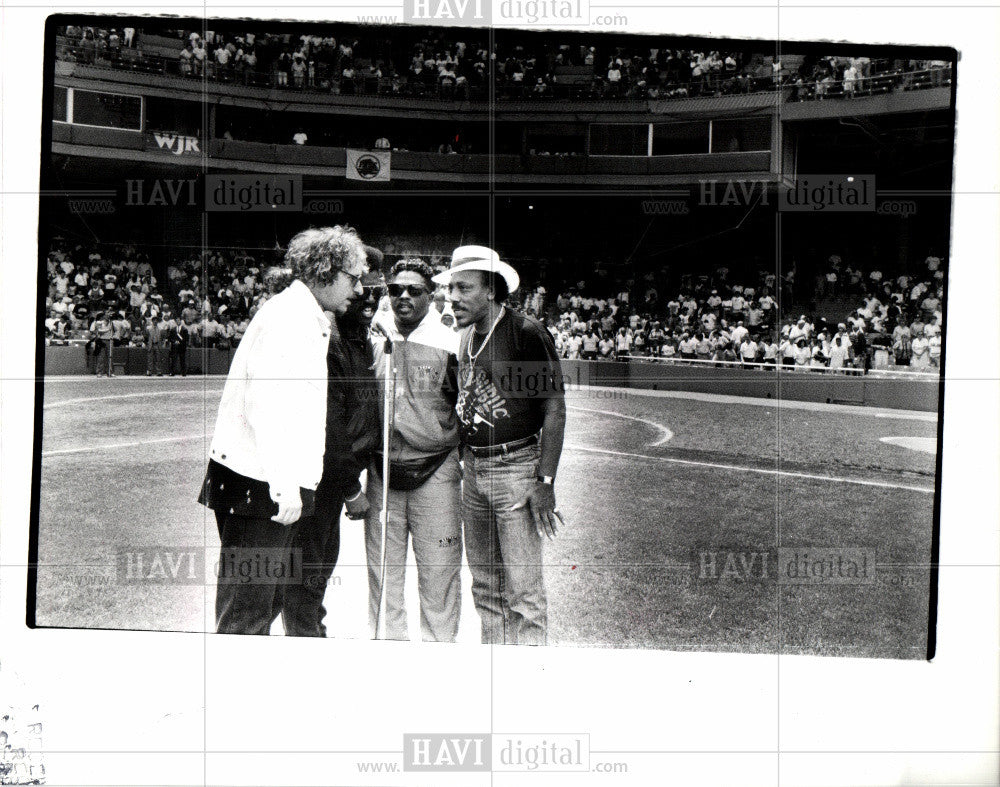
(512, 417)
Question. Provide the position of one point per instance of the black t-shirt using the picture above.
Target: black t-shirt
(502, 395)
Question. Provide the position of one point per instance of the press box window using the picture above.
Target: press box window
(107, 110)
(672, 139)
(619, 139)
(741, 135)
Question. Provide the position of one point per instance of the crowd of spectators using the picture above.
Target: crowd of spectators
(109, 297)
(437, 65)
(896, 324)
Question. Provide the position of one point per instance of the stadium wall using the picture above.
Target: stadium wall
(892, 393)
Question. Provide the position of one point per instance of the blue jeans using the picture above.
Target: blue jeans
(503, 548)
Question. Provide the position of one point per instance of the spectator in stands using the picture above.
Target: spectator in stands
(803, 353)
(739, 333)
(851, 75)
(347, 85)
(223, 65)
(211, 331)
(623, 341)
(198, 57)
(298, 70)
(282, 67)
(177, 338)
(901, 344)
(748, 348)
(703, 346)
(122, 328)
(920, 351)
(184, 60)
(446, 81)
(769, 345)
(839, 352)
(102, 332)
(934, 349)
(859, 348)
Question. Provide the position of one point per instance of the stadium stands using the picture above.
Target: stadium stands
(416, 65)
(867, 320)
(878, 323)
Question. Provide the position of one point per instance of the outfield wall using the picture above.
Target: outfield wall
(875, 391)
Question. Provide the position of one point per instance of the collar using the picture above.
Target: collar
(299, 291)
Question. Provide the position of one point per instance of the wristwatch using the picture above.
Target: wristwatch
(545, 479)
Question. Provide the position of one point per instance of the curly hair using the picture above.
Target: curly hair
(316, 255)
(413, 265)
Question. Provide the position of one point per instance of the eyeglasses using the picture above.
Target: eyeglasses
(354, 278)
(415, 290)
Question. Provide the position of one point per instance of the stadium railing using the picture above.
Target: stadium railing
(847, 371)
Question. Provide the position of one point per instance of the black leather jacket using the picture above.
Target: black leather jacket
(353, 428)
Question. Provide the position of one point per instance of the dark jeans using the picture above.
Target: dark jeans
(247, 607)
(301, 603)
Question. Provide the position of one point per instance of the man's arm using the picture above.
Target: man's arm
(541, 499)
(553, 430)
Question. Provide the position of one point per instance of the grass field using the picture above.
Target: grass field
(656, 489)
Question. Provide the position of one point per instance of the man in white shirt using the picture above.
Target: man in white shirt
(748, 350)
(574, 345)
(739, 334)
(770, 346)
(267, 453)
(623, 341)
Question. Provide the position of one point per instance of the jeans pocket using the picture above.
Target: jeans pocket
(529, 455)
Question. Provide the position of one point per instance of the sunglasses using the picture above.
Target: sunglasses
(415, 290)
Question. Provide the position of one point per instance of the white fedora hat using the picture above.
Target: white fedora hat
(479, 258)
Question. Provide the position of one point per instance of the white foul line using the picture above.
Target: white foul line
(665, 434)
(761, 470)
(139, 395)
(113, 446)
(929, 417)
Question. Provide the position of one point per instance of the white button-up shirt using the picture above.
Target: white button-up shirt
(272, 417)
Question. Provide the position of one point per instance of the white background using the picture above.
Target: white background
(137, 708)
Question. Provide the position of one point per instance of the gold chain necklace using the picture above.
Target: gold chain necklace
(489, 335)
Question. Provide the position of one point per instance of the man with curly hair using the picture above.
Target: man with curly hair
(266, 457)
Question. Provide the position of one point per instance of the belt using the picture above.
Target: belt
(502, 448)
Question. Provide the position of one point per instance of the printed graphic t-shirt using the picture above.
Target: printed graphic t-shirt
(502, 395)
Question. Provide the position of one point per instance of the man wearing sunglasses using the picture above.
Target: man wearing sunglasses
(424, 473)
